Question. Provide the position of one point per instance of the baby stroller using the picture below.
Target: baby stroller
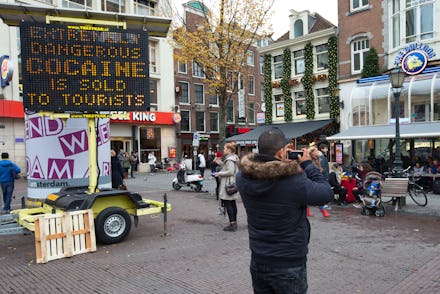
(371, 201)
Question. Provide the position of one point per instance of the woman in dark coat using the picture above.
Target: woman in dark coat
(117, 171)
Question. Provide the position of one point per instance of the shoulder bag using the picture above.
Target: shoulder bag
(231, 187)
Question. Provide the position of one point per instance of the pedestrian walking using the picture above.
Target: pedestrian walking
(202, 163)
(275, 192)
(316, 156)
(8, 172)
(227, 176)
(133, 163)
(117, 171)
(126, 164)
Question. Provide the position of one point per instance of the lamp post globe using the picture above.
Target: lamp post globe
(397, 77)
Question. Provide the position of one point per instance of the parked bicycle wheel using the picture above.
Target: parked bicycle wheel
(418, 195)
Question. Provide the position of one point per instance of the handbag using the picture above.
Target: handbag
(231, 188)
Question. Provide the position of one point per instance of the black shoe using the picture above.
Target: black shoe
(230, 228)
(343, 203)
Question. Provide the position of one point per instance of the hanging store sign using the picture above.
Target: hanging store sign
(414, 57)
(82, 68)
(7, 70)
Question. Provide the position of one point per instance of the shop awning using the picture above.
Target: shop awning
(291, 130)
(412, 130)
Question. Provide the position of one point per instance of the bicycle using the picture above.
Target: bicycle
(415, 191)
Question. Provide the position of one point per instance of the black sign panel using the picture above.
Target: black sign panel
(83, 68)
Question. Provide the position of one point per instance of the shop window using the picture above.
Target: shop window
(185, 122)
(420, 112)
(199, 94)
(323, 100)
(322, 56)
(200, 121)
(150, 141)
(213, 117)
(278, 66)
(300, 103)
(184, 92)
(360, 115)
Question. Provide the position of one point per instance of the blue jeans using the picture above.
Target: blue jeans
(270, 279)
(7, 189)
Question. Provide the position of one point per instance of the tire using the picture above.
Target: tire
(112, 225)
(418, 195)
(366, 211)
(176, 186)
(380, 211)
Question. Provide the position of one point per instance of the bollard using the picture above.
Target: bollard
(165, 202)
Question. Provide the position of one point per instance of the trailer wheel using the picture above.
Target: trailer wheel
(112, 225)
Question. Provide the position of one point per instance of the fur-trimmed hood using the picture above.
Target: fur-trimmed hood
(268, 168)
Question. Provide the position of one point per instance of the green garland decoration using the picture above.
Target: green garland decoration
(333, 76)
(267, 69)
(307, 81)
(285, 86)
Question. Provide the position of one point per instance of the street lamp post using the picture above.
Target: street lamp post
(397, 77)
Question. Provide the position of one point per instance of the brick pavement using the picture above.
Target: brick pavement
(198, 257)
(424, 280)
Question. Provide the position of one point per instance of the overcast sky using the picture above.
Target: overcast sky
(280, 18)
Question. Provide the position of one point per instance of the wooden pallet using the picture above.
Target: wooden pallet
(64, 234)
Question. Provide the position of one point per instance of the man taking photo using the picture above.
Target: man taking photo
(275, 192)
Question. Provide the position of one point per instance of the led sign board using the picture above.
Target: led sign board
(83, 68)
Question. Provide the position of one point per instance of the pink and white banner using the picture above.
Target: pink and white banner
(57, 154)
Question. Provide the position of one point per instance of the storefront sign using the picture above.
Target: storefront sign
(172, 152)
(260, 118)
(414, 57)
(147, 117)
(177, 118)
(82, 68)
(6, 70)
(414, 62)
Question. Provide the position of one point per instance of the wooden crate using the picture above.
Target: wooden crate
(64, 234)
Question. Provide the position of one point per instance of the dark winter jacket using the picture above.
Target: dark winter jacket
(275, 195)
(117, 172)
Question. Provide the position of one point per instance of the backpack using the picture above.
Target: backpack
(14, 174)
